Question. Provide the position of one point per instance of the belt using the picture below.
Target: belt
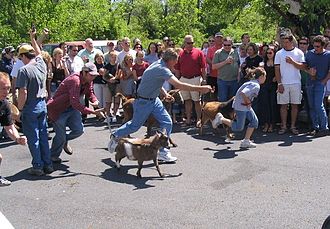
(190, 77)
(150, 99)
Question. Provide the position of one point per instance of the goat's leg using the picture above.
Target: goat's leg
(118, 158)
(138, 173)
(157, 167)
(172, 142)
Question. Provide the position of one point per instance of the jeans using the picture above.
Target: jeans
(226, 89)
(142, 108)
(34, 123)
(69, 118)
(315, 93)
(241, 116)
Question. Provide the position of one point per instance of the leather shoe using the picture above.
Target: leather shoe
(67, 148)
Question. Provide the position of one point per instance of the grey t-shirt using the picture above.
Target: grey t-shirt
(153, 79)
(251, 90)
(228, 72)
(33, 77)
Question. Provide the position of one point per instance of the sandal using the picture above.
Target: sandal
(270, 129)
(294, 130)
(265, 129)
(282, 131)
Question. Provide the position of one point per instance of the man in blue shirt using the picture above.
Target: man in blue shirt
(147, 101)
(318, 63)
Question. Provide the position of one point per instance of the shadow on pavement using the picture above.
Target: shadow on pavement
(227, 153)
(122, 176)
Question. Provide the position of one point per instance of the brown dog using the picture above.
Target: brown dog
(210, 109)
(151, 121)
(141, 150)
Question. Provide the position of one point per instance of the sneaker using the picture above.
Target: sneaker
(56, 159)
(113, 119)
(67, 148)
(166, 156)
(108, 119)
(48, 169)
(4, 181)
(112, 144)
(217, 120)
(36, 172)
(247, 144)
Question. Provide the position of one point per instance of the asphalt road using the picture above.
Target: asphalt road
(283, 183)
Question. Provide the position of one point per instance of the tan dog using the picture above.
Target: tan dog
(210, 109)
(151, 121)
(141, 150)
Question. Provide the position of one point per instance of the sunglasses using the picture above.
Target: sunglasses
(317, 46)
(303, 43)
(130, 59)
(227, 45)
(74, 50)
(269, 52)
(211, 40)
(189, 43)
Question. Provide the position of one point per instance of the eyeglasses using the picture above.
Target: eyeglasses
(303, 43)
(211, 40)
(126, 43)
(317, 46)
(227, 45)
(74, 50)
(189, 43)
(269, 53)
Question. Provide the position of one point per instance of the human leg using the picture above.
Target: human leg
(188, 110)
(222, 90)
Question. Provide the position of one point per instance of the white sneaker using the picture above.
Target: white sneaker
(247, 144)
(112, 144)
(4, 182)
(114, 119)
(217, 120)
(108, 119)
(166, 156)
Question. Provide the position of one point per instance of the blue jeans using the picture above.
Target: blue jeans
(34, 123)
(226, 89)
(69, 118)
(142, 108)
(315, 92)
(241, 116)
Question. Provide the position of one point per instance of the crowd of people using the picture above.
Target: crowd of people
(63, 87)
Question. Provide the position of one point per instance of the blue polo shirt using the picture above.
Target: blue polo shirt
(319, 61)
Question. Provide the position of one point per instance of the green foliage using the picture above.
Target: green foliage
(150, 20)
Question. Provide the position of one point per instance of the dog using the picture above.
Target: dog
(142, 150)
(210, 109)
(127, 104)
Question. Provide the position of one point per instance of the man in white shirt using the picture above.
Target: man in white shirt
(126, 50)
(288, 63)
(73, 61)
(88, 53)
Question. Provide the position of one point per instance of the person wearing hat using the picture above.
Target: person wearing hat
(65, 109)
(32, 93)
(212, 77)
(111, 48)
(7, 61)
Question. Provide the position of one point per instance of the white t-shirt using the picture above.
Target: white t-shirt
(18, 64)
(289, 73)
(122, 55)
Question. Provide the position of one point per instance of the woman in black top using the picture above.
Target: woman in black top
(253, 60)
(267, 95)
(59, 70)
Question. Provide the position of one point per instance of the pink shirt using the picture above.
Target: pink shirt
(210, 55)
(68, 94)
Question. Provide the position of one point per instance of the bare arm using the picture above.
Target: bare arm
(14, 135)
(188, 87)
(22, 96)
(300, 66)
(221, 64)
(278, 74)
(34, 42)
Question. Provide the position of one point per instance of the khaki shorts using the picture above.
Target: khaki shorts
(291, 95)
(193, 95)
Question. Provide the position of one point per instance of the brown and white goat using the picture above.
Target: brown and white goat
(141, 150)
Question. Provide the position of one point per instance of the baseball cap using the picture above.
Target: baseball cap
(25, 49)
(90, 68)
(218, 34)
(9, 49)
(110, 43)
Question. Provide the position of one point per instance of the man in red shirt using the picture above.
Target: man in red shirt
(212, 78)
(66, 107)
(191, 69)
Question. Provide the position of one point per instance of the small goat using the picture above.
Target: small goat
(141, 150)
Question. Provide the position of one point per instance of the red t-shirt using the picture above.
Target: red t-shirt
(140, 68)
(190, 64)
(210, 55)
